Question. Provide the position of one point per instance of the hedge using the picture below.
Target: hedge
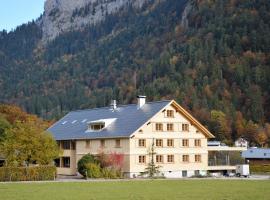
(41, 173)
(260, 168)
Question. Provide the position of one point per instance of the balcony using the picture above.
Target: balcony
(224, 158)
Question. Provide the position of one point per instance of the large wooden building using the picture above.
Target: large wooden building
(180, 140)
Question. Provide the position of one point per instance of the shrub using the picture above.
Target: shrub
(93, 170)
(260, 168)
(102, 166)
(41, 173)
(115, 160)
(83, 162)
(111, 173)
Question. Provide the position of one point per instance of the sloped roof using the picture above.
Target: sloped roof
(128, 119)
(256, 153)
(192, 120)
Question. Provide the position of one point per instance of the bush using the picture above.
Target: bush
(87, 159)
(260, 168)
(41, 173)
(93, 170)
(100, 167)
(111, 173)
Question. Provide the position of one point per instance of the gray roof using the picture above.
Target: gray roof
(128, 119)
(256, 153)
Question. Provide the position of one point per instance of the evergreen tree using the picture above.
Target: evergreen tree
(152, 170)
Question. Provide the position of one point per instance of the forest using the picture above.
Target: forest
(213, 58)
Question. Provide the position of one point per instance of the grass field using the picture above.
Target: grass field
(156, 189)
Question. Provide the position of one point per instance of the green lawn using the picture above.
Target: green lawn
(156, 189)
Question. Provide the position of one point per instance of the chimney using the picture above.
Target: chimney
(141, 101)
(113, 105)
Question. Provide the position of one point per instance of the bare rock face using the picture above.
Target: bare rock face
(64, 15)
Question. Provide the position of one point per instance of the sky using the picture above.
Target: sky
(16, 12)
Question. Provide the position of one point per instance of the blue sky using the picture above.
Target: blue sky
(16, 12)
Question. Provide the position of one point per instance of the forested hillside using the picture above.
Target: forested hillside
(212, 57)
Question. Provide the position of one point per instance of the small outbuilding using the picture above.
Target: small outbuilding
(241, 142)
(257, 156)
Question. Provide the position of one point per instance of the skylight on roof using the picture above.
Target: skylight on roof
(84, 120)
(74, 121)
(64, 122)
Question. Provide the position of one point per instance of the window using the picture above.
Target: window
(66, 162)
(87, 144)
(141, 142)
(159, 142)
(141, 159)
(185, 127)
(197, 172)
(159, 158)
(159, 127)
(58, 144)
(185, 158)
(117, 143)
(184, 173)
(73, 145)
(185, 143)
(2, 162)
(170, 142)
(57, 162)
(97, 127)
(170, 158)
(170, 113)
(170, 127)
(66, 145)
(102, 143)
(198, 158)
(197, 143)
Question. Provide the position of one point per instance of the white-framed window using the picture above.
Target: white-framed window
(170, 158)
(170, 113)
(198, 158)
(142, 159)
(142, 143)
(197, 143)
(159, 143)
(185, 158)
(159, 127)
(159, 158)
(170, 127)
(185, 142)
(170, 142)
(185, 127)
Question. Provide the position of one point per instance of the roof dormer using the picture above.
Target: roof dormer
(99, 125)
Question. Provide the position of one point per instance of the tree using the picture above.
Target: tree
(220, 125)
(27, 143)
(239, 124)
(151, 170)
(251, 130)
(4, 126)
(261, 137)
(23, 139)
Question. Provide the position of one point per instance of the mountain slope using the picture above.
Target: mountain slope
(61, 16)
(211, 56)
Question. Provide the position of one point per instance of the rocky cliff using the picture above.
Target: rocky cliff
(65, 15)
